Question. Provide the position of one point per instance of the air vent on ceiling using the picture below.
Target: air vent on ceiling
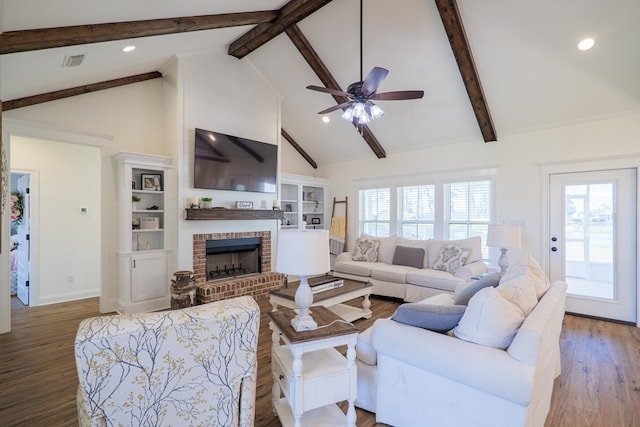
(73, 60)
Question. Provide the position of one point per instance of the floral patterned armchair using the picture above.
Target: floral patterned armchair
(188, 367)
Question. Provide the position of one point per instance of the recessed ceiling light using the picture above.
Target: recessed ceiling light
(586, 44)
(326, 119)
(130, 48)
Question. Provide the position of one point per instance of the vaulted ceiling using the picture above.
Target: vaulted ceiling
(488, 68)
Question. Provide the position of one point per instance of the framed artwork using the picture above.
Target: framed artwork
(315, 220)
(151, 181)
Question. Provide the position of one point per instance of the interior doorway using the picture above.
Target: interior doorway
(21, 236)
(592, 229)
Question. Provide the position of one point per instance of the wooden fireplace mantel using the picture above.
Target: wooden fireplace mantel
(232, 214)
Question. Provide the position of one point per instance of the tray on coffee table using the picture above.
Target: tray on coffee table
(332, 299)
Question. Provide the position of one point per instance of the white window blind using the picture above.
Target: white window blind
(375, 211)
(417, 212)
(468, 210)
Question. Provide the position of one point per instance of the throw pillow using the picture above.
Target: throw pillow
(451, 258)
(463, 295)
(437, 318)
(365, 250)
(489, 320)
(528, 263)
(386, 249)
(411, 257)
(520, 290)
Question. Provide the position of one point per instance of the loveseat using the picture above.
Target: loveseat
(411, 269)
(194, 366)
(495, 368)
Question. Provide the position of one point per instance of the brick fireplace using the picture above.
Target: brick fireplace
(210, 288)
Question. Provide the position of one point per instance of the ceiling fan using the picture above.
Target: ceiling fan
(360, 108)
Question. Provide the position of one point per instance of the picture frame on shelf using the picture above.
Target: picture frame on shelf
(244, 205)
(315, 221)
(288, 207)
(151, 181)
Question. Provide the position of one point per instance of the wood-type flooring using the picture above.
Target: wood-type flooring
(599, 385)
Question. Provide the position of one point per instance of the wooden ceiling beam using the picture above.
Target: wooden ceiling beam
(290, 14)
(298, 148)
(314, 61)
(47, 38)
(454, 28)
(78, 90)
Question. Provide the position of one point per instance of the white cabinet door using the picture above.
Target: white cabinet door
(149, 276)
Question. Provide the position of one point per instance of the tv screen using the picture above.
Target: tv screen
(226, 162)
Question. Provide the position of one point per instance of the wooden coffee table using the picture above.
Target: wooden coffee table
(332, 299)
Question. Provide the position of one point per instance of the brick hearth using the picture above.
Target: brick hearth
(255, 285)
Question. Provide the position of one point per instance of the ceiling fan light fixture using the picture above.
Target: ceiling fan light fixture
(348, 114)
(375, 111)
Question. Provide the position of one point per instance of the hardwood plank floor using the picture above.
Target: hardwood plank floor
(599, 385)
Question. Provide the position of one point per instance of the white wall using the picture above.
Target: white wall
(223, 94)
(517, 158)
(67, 260)
(130, 119)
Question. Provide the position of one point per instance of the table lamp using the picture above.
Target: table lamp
(504, 237)
(303, 253)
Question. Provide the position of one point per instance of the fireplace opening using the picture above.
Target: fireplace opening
(233, 257)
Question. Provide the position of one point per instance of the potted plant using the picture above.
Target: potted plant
(134, 201)
(206, 202)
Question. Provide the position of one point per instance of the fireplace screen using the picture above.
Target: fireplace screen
(233, 257)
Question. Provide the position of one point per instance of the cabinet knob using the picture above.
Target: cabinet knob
(281, 377)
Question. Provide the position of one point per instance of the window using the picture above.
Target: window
(375, 211)
(436, 208)
(416, 215)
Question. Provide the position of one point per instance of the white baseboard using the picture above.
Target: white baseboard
(70, 296)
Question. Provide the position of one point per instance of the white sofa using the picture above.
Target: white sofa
(411, 376)
(409, 283)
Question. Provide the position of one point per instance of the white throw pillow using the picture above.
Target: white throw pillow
(489, 320)
(451, 258)
(365, 250)
(528, 264)
(520, 290)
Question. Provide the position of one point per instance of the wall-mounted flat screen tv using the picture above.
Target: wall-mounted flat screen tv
(226, 162)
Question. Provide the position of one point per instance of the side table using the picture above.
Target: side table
(309, 375)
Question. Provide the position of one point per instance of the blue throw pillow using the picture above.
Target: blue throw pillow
(465, 294)
(438, 318)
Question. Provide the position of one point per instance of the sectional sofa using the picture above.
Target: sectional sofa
(494, 367)
(411, 270)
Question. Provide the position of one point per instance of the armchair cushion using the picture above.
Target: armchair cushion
(194, 366)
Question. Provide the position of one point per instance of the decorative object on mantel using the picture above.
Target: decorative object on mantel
(276, 205)
(303, 253)
(193, 203)
(244, 205)
(232, 214)
(504, 237)
(207, 202)
(183, 290)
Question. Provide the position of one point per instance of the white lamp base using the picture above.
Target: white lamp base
(304, 298)
(503, 261)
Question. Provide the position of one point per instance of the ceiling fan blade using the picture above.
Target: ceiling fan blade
(327, 90)
(398, 95)
(335, 107)
(373, 80)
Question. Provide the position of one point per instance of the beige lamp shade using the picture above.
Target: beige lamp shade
(504, 236)
(303, 252)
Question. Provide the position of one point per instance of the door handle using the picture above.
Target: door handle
(554, 239)
(554, 249)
